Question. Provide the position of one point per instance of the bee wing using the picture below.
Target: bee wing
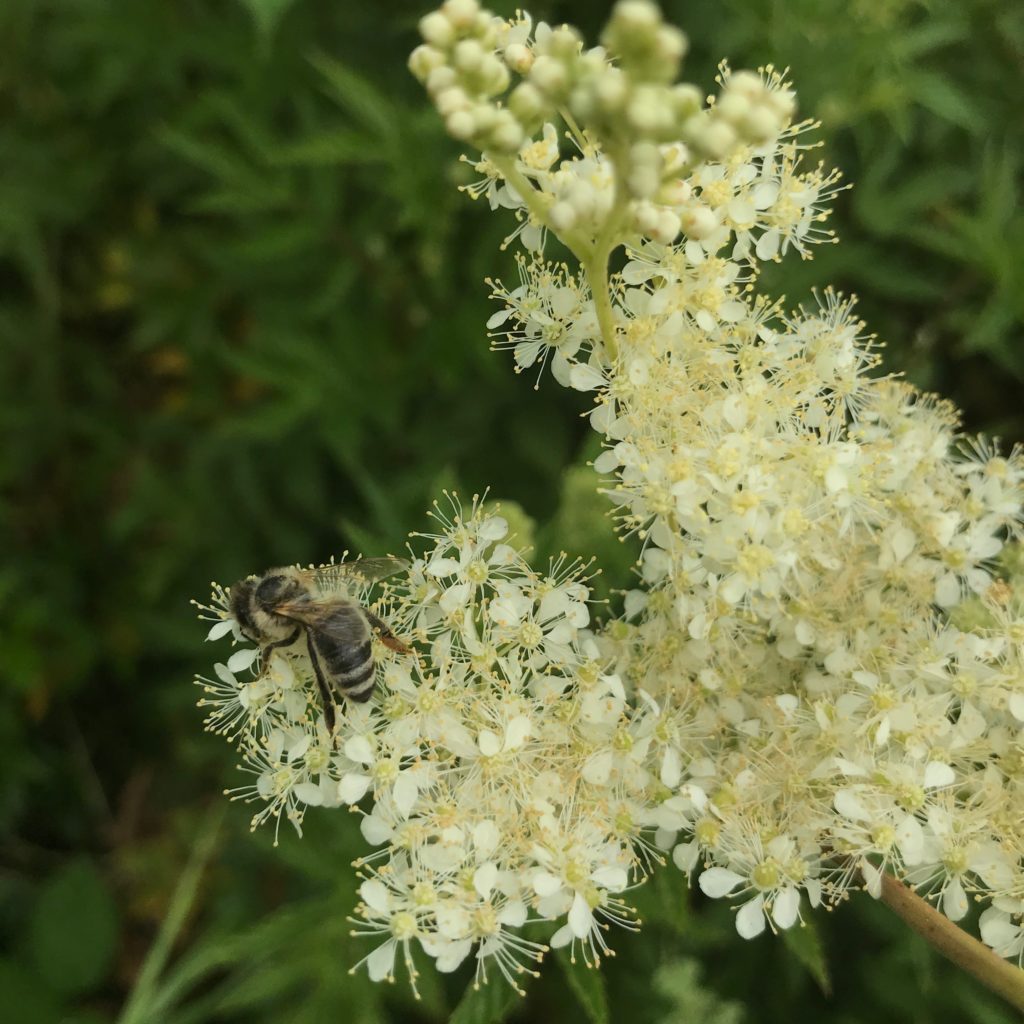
(312, 612)
(360, 571)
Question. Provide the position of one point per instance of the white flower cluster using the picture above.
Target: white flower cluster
(502, 771)
(644, 132)
(818, 716)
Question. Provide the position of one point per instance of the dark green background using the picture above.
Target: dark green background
(242, 323)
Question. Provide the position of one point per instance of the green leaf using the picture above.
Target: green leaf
(73, 929)
(938, 94)
(488, 1004)
(588, 986)
(362, 99)
(804, 943)
(267, 13)
(329, 148)
(24, 1000)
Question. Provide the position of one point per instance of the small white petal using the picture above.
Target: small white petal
(452, 954)
(309, 793)
(848, 804)
(686, 855)
(241, 660)
(513, 914)
(381, 962)
(353, 787)
(545, 883)
(954, 900)
(493, 528)
(562, 937)
(358, 749)
(517, 732)
(718, 882)
(484, 878)
(612, 879)
(486, 837)
(375, 895)
(1016, 705)
(220, 629)
(786, 906)
(750, 919)
(489, 743)
(872, 878)
(938, 774)
(404, 793)
(581, 918)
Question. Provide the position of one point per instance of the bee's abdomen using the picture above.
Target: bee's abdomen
(350, 667)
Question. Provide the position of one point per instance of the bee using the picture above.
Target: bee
(278, 607)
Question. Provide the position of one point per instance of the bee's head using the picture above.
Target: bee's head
(241, 604)
(276, 587)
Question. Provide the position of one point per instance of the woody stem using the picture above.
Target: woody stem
(954, 943)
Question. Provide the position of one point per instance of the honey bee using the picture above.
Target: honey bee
(279, 607)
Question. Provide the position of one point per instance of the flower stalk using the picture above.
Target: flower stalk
(954, 943)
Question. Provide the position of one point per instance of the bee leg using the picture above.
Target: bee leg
(387, 638)
(326, 696)
(265, 652)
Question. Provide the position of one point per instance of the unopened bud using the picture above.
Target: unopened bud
(437, 30)
(451, 100)
(467, 56)
(718, 139)
(461, 125)
(550, 76)
(425, 59)
(461, 13)
(697, 221)
(667, 229)
(507, 135)
(562, 216)
(526, 102)
(519, 58)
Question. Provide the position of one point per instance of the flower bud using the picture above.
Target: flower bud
(526, 102)
(451, 100)
(674, 193)
(467, 56)
(718, 139)
(437, 30)
(425, 59)
(612, 90)
(564, 44)
(440, 78)
(493, 75)
(687, 101)
(761, 124)
(461, 13)
(460, 125)
(667, 229)
(519, 58)
(733, 106)
(562, 216)
(645, 217)
(550, 76)
(697, 221)
(507, 135)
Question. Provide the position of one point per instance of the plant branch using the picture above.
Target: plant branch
(954, 943)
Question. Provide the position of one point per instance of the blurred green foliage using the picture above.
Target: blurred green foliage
(242, 323)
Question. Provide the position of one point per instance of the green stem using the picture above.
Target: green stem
(534, 203)
(136, 1009)
(954, 943)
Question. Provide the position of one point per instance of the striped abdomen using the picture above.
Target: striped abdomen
(344, 652)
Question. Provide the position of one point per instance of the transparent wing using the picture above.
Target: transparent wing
(360, 572)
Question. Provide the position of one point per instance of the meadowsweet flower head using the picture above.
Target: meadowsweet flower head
(819, 675)
(821, 662)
